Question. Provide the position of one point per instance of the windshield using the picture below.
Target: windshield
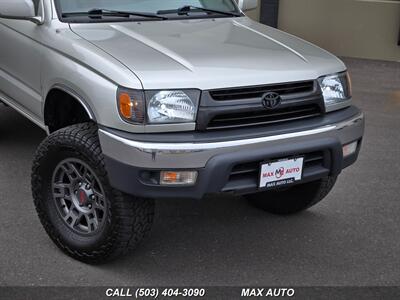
(168, 8)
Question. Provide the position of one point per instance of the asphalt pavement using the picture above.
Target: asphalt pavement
(352, 238)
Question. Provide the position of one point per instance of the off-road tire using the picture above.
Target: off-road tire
(128, 219)
(294, 199)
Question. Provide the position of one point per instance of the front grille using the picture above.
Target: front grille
(258, 91)
(246, 175)
(263, 117)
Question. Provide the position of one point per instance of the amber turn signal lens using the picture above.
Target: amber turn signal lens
(131, 105)
(125, 105)
(350, 84)
(178, 178)
(170, 177)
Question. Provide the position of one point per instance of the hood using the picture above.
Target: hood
(209, 53)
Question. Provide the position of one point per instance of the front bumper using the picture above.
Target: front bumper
(225, 164)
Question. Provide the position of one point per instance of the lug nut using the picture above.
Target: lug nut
(90, 206)
(80, 183)
(88, 186)
(93, 197)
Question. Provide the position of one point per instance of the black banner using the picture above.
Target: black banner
(100, 293)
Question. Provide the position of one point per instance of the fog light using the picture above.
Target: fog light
(178, 178)
(350, 149)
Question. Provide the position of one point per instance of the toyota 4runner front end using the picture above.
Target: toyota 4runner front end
(239, 132)
(156, 99)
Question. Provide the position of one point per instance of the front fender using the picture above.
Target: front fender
(96, 92)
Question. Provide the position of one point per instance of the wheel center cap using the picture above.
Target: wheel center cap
(82, 197)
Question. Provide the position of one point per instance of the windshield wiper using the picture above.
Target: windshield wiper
(99, 12)
(185, 10)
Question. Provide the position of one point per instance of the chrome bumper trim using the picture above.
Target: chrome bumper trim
(196, 155)
(193, 147)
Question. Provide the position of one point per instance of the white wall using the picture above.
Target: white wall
(354, 28)
(254, 14)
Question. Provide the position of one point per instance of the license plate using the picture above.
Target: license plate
(281, 173)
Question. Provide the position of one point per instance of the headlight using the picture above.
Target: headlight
(172, 106)
(163, 107)
(336, 90)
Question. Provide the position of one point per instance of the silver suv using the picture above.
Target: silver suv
(146, 99)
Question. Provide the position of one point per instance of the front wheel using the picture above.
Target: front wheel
(295, 199)
(83, 215)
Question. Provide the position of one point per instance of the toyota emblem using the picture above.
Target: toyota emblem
(271, 100)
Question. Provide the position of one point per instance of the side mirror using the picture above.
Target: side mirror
(19, 10)
(246, 5)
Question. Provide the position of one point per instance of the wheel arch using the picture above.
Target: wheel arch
(63, 95)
